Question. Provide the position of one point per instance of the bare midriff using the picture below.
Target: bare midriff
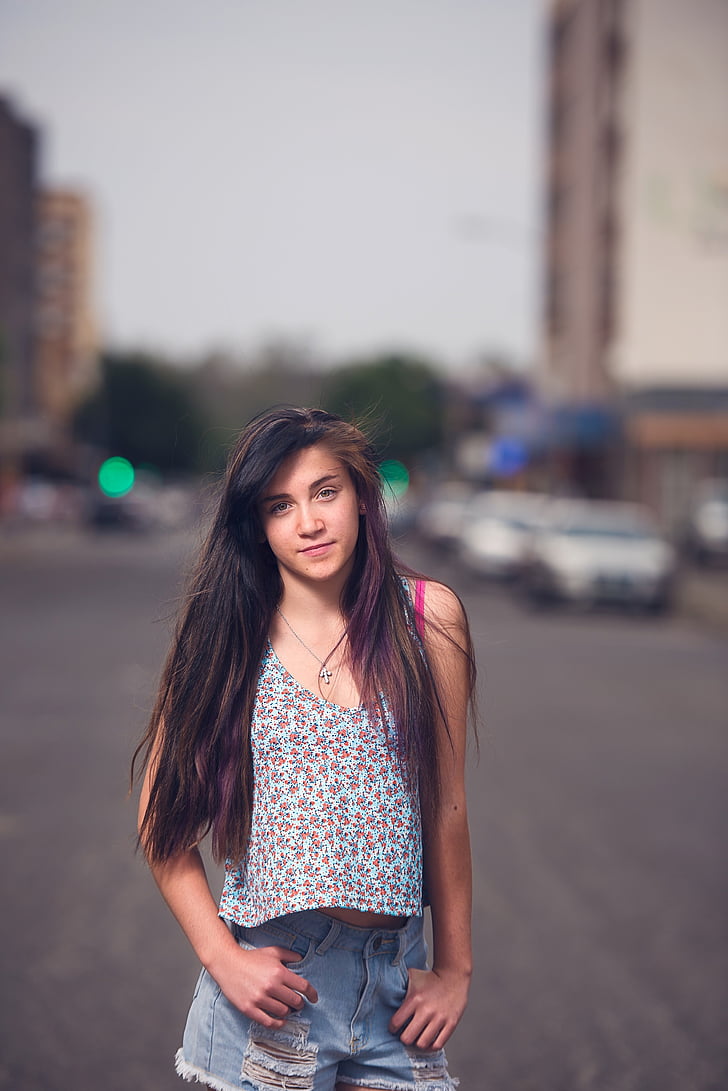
(359, 919)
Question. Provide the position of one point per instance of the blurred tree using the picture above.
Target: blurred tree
(144, 410)
(399, 397)
(232, 389)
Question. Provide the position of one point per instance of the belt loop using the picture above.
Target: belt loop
(334, 929)
(400, 949)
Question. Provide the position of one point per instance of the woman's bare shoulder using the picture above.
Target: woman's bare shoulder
(442, 606)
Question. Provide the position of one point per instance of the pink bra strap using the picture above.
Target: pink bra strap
(420, 606)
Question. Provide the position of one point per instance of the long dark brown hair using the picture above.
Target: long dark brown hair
(198, 735)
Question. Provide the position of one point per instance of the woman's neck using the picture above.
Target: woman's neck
(301, 600)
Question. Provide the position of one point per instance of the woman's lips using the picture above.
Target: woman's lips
(317, 550)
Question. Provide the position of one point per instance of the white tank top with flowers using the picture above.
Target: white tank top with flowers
(333, 823)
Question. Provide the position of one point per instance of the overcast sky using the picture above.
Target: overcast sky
(351, 176)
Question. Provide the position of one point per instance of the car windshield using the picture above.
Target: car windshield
(516, 523)
(716, 502)
(626, 525)
(609, 526)
(608, 530)
(522, 512)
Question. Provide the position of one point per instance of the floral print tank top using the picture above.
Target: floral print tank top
(333, 823)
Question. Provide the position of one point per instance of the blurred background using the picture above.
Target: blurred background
(499, 233)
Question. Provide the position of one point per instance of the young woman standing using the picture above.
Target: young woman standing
(312, 719)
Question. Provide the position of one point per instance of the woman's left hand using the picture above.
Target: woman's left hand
(432, 1008)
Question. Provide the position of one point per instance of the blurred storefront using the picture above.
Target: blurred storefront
(674, 441)
(519, 440)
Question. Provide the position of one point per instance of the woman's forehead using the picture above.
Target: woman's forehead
(304, 467)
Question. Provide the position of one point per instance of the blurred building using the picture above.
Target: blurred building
(66, 360)
(48, 343)
(636, 265)
(19, 142)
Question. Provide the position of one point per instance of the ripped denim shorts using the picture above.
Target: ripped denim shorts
(360, 975)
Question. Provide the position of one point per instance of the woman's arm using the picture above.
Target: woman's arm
(436, 998)
(257, 982)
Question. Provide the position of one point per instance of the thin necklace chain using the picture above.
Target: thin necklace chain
(324, 673)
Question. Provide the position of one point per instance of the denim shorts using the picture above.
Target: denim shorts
(360, 975)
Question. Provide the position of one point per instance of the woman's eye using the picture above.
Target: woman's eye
(278, 508)
(327, 493)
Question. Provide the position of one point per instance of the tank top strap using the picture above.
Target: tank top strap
(420, 607)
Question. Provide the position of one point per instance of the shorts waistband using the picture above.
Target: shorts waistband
(330, 932)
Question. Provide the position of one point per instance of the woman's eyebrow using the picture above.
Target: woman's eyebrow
(312, 488)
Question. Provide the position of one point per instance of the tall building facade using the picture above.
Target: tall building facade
(19, 142)
(636, 265)
(48, 342)
(66, 337)
(586, 62)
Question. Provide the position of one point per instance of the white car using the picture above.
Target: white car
(707, 529)
(440, 518)
(599, 551)
(497, 529)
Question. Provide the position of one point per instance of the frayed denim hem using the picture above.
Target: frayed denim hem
(388, 1085)
(424, 1081)
(191, 1072)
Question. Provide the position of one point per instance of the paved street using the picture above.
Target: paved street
(599, 821)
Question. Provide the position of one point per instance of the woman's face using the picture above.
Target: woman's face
(310, 516)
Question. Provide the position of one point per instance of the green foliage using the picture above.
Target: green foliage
(230, 392)
(399, 398)
(144, 411)
(184, 421)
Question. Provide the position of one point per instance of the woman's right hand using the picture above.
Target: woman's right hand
(260, 984)
(255, 980)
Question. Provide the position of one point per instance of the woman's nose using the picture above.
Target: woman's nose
(309, 520)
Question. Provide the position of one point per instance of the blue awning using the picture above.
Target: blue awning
(542, 428)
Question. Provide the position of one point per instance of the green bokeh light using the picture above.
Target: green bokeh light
(116, 476)
(395, 476)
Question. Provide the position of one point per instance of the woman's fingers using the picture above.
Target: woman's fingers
(275, 1009)
(430, 1011)
(441, 1039)
(258, 981)
(293, 980)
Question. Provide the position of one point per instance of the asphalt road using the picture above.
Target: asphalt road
(598, 813)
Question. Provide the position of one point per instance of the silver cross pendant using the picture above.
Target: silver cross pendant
(325, 673)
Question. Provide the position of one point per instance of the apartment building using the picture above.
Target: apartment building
(66, 338)
(48, 340)
(19, 142)
(636, 262)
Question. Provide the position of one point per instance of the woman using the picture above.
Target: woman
(312, 718)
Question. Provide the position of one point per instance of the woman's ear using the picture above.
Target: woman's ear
(362, 508)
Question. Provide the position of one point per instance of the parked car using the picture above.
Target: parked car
(497, 529)
(131, 512)
(440, 518)
(598, 551)
(149, 506)
(401, 512)
(706, 535)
